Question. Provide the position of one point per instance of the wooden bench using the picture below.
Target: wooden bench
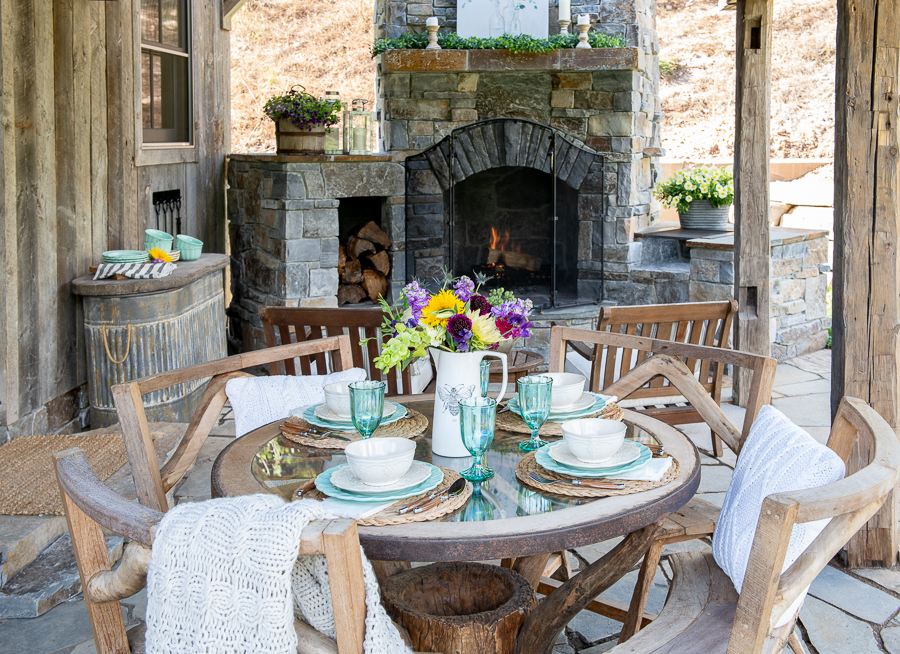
(695, 323)
(705, 615)
(283, 325)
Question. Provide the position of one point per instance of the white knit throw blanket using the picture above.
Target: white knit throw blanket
(225, 578)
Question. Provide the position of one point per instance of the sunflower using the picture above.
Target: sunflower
(484, 328)
(158, 254)
(440, 308)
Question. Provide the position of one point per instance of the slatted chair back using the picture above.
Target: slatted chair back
(91, 507)
(152, 482)
(697, 323)
(283, 325)
(666, 359)
(698, 613)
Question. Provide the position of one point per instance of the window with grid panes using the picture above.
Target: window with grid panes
(165, 71)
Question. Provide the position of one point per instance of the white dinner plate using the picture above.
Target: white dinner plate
(344, 479)
(560, 453)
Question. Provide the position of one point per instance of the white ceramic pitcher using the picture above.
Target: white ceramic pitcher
(458, 377)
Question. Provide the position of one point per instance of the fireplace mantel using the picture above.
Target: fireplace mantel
(562, 60)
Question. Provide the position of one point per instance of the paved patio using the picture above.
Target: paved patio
(847, 611)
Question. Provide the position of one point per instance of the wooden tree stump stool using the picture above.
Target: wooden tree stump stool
(460, 608)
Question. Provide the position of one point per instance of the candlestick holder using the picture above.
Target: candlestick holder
(432, 37)
(564, 26)
(583, 36)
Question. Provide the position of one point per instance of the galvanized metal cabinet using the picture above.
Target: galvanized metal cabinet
(135, 328)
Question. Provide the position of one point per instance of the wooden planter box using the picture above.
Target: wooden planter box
(290, 139)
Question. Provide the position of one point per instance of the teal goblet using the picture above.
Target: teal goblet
(534, 402)
(366, 405)
(477, 416)
(485, 376)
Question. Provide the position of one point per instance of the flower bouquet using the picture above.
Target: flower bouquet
(458, 318)
(460, 327)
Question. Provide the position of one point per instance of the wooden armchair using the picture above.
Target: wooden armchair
(91, 507)
(695, 323)
(704, 614)
(283, 325)
(663, 359)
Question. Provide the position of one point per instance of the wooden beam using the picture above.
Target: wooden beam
(751, 185)
(867, 229)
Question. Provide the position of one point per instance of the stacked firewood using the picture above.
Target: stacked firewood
(363, 265)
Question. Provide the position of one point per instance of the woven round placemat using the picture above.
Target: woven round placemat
(509, 421)
(27, 473)
(389, 515)
(528, 464)
(410, 426)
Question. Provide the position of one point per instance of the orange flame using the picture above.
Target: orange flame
(498, 242)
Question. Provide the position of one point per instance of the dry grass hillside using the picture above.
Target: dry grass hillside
(325, 45)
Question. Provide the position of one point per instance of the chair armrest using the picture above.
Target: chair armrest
(102, 504)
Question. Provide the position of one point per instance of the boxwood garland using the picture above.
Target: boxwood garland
(519, 43)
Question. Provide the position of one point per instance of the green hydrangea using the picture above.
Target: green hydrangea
(396, 352)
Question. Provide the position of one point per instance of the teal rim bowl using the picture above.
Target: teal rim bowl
(153, 238)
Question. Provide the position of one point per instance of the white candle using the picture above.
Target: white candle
(584, 19)
(432, 21)
(565, 10)
(359, 138)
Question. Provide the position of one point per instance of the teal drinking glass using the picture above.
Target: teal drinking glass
(477, 416)
(485, 376)
(366, 405)
(534, 402)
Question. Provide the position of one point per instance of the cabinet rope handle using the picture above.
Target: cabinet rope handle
(127, 346)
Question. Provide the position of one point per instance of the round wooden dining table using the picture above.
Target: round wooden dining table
(503, 518)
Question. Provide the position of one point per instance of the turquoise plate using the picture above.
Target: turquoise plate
(599, 403)
(310, 417)
(542, 456)
(323, 483)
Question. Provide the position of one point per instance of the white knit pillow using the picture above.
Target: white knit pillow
(257, 401)
(777, 457)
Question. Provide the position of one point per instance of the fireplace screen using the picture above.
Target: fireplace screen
(504, 229)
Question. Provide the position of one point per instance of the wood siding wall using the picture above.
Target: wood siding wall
(69, 184)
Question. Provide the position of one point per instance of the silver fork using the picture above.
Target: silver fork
(606, 485)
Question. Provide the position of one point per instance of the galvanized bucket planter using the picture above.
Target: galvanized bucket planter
(703, 215)
(290, 139)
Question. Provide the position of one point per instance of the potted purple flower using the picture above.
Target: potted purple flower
(301, 121)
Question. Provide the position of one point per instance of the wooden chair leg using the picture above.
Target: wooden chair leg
(340, 541)
(716, 445)
(530, 567)
(795, 644)
(641, 590)
(92, 557)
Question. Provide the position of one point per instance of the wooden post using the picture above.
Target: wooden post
(753, 68)
(867, 228)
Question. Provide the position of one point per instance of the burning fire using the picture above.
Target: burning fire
(499, 242)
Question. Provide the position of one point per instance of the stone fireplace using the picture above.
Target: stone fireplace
(510, 123)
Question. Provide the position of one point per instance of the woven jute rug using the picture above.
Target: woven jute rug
(27, 475)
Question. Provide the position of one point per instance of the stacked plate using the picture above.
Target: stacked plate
(321, 416)
(558, 458)
(125, 256)
(587, 404)
(340, 482)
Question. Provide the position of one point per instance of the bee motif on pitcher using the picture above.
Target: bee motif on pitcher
(451, 395)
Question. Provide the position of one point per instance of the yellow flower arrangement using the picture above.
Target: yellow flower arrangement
(158, 254)
(441, 308)
(484, 328)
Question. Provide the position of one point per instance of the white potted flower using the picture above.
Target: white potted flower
(701, 196)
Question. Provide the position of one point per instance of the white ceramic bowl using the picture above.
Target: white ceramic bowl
(593, 440)
(337, 397)
(380, 461)
(567, 388)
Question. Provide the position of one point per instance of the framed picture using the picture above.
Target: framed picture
(492, 18)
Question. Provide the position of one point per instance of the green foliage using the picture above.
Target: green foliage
(500, 295)
(519, 43)
(685, 186)
(667, 67)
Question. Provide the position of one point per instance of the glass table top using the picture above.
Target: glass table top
(283, 466)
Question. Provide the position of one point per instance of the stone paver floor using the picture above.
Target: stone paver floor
(847, 611)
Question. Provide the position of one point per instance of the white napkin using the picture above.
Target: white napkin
(609, 398)
(353, 510)
(653, 470)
